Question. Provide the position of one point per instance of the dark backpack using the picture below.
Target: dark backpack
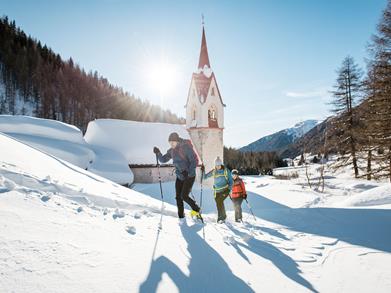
(190, 145)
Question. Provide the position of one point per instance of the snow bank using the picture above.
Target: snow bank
(111, 165)
(44, 171)
(376, 196)
(134, 140)
(54, 137)
(40, 127)
(66, 142)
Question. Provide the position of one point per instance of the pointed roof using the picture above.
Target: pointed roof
(204, 58)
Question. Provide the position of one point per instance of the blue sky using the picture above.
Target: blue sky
(274, 60)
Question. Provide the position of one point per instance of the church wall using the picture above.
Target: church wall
(209, 144)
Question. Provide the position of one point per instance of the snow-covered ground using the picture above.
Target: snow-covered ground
(66, 142)
(64, 229)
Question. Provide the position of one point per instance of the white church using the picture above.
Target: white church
(204, 126)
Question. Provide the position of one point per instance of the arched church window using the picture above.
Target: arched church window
(212, 92)
(194, 115)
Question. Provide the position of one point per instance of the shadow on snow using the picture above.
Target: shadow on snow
(208, 270)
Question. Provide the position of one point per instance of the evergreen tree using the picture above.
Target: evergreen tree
(347, 92)
(378, 98)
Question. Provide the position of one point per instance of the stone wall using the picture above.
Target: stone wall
(149, 174)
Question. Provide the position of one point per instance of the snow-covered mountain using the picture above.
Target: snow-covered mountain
(279, 140)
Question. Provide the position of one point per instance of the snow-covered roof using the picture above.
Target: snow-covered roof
(134, 140)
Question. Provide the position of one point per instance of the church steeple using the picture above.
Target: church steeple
(204, 58)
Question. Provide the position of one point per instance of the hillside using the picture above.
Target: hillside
(36, 81)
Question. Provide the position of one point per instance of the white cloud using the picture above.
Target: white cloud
(322, 93)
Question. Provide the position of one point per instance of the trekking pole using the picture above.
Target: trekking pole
(251, 210)
(202, 178)
(161, 192)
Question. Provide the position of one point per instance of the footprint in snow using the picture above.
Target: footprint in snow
(118, 214)
(79, 209)
(7, 186)
(229, 239)
(131, 230)
(45, 198)
(137, 215)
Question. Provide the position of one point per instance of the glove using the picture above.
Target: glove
(156, 150)
(185, 174)
(244, 196)
(202, 168)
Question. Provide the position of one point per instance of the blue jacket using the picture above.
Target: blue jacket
(183, 157)
(222, 179)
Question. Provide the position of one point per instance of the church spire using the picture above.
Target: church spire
(204, 58)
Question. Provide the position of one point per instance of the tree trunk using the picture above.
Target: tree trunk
(390, 162)
(369, 165)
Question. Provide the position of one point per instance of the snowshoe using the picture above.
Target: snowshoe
(196, 215)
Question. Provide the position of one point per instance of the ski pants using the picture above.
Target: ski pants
(219, 198)
(183, 189)
(238, 207)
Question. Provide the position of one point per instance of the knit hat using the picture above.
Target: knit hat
(235, 172)
(218, 162)
(173, 137)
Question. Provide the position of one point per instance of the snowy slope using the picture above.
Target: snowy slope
(66, 142)
(57, 138)
(65, 229)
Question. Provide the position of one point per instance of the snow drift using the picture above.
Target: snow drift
(66, 142)
(373, 197)
(54, 137)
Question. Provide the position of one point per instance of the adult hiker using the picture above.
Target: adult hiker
(238, 193)
(185, 161)
(222, 186)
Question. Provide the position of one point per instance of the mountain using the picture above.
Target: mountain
(281, 139)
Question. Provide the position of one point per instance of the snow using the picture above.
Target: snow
(302, 128)
(133, 140)
(111, 165)
(373, 197)
(66, 142)
(65, 229)
(59, 139)
(207, 71)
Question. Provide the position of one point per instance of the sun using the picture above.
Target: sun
(162, 77)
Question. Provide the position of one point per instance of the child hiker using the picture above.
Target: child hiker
(222, 187)
(238, 193)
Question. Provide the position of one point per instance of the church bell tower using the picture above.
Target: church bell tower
(205, 110)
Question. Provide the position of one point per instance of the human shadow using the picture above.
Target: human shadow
(208, 270)
(364, 227)
(282, 261)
